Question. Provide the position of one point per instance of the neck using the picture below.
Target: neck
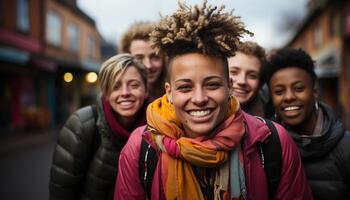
(127, 122)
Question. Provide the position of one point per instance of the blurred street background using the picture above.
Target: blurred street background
(51, 52)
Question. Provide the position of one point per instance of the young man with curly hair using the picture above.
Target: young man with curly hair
(245, 69)
(136, 41)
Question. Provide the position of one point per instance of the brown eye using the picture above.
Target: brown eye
(278, 92)
(184, 88)
(253, 76)
(117, 86)
(234, 73)
(299, 89)
(213, 85)
(135, 84)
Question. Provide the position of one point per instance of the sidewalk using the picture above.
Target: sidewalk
(18, 141)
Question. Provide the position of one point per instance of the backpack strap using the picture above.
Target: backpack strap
(147, 166)
(271, 158)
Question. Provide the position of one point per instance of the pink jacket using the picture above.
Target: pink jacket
(293, 183)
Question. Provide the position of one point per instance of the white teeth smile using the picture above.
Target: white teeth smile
(291, 108)
(126, 103)
(200, 113)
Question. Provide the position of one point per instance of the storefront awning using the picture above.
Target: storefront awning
(14, 55)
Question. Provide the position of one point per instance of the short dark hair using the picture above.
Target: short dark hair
(289, 57)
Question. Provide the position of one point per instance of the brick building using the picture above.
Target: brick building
(40, 41)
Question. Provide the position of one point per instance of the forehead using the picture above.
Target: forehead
(290, 75)
(129, 74)
(194, 66)
(245, 62)
(141, 47)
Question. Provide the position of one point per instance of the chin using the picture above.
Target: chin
(292, 122)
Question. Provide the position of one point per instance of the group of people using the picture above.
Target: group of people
(188, 111)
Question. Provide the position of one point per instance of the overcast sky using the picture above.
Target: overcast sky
(262, 17)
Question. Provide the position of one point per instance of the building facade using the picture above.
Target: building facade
(325, 34)
(40, 41)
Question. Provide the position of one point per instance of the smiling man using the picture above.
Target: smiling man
(136, 41)
(245, 71)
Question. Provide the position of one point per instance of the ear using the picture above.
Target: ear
(168, 92)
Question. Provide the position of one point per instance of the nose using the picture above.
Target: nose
(147, 62)
(199, 97)
(125, 90)
(240, 79)
(289, 96)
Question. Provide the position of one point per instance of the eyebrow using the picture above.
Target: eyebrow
(205, 79)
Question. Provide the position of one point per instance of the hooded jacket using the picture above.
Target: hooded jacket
(326, 158)
(293, 183)
(85, 159)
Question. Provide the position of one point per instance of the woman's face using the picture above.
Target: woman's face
(293, 95)
(127, 94)
(199, 90)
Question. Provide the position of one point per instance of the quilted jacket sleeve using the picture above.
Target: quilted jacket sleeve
(71, 155)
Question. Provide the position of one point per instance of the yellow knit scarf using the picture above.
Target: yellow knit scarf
(179, 180)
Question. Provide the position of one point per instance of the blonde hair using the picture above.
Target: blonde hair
(204, 29)
(115, 66)
(137, 31)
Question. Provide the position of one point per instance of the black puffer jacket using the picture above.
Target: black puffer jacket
(85, 160)
(326, 159)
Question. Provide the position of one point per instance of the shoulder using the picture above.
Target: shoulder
(79, 124)
(344, 145)
(133, 145)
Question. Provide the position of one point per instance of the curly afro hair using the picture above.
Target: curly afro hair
(206, 30)
(287, 57)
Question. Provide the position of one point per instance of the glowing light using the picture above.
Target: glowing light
(68, 77)
(91, 77)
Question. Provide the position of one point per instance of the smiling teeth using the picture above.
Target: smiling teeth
(125, 103)
(291, 108)
(200, 113)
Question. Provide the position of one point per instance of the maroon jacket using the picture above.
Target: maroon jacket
(293, 183)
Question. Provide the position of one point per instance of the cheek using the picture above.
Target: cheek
(254, 84)
(158, 64)
(179, 99)
(276, 100)
(112, 96)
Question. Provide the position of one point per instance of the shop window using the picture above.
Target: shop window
(23, 15)
(73, 36)
(318, 37)
(54, 28)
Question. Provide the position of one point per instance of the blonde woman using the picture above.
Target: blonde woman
(85, 160)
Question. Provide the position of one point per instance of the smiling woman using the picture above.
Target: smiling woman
(85, 159)
(207, 147)
(323, 142)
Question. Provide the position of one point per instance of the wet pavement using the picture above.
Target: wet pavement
(25, 161)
